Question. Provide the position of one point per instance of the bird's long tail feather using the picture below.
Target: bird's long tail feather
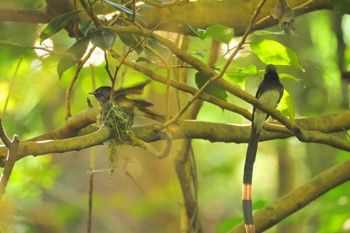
(247, 181)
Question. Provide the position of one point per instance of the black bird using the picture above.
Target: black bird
(120, 98)
(270, 92)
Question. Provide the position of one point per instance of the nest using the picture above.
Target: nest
(120, 119)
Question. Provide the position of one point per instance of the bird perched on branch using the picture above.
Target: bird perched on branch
(121, 97)
(117, 112)
(270, 92)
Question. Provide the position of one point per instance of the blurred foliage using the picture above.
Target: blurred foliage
(220, 33)
(49, 193)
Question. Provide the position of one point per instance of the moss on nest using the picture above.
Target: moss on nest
(120, 119)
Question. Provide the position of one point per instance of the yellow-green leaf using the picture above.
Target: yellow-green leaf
(286, 106)
(72, 55)
(56, 25)
(273, 52)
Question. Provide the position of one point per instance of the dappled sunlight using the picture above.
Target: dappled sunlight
(96, 58)
(43, 50)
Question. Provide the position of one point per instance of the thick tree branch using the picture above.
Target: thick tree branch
(72, 126)
(299, 198)
(235, 14)
(166, 4)
(24, 16)
(214, 132)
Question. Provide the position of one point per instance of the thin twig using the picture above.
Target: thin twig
(89, 11)
(130, 49)
(153, 151)
(10, 163)
(3, 136)
(128, 174)
(133, 11)
(185, 166)
(183, 87)
(74, 79)
(11, 85)
(91, 188)
(107, 67)
(168, 79)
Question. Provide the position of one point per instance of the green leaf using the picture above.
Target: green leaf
(289, 76)
(272, 52)
(240, 74)
(56, 25)
(201, 33)
(266, 33)
(86, 26)
(286, 106)
(120, 7)
(123, 8)
(103, 38)
(153, 43)
(213, 89)
(218, 32)
(133, 41)
(73, 55)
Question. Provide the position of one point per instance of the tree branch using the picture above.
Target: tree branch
(236, 14)
(214, 132)
(10, 163)
(183, 87)
(179, 17)
(24, 15)
(166, 4)
(72, 126)
(3, 136)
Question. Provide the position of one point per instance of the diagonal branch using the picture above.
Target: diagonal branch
(3, 136)
(10, 163)
(299, 198)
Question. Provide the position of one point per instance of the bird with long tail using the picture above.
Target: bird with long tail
(270, 92)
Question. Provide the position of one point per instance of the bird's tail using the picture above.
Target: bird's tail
(247, 181)
(142, 106)
(136, 89)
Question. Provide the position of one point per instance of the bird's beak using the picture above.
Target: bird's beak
(92, 93)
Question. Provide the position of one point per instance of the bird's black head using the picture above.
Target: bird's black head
(270, 67)
(102, 94)
(271, 73)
